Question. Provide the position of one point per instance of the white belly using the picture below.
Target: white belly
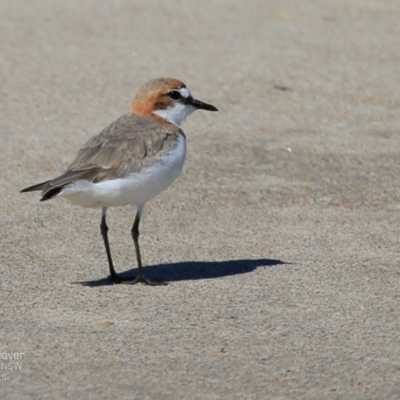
(136, 189)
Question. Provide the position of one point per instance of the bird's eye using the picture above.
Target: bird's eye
(175, 95)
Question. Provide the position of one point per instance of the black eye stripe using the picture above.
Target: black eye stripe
(175, 95)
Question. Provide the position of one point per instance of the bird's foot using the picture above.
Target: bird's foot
(143, 279)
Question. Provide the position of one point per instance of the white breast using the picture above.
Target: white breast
(136, 189)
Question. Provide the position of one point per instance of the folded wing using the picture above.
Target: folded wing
(121, 148)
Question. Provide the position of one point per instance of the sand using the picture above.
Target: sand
(280, 240)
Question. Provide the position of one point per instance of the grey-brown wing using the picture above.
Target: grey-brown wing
(125, 146)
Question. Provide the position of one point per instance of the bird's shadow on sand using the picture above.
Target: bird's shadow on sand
(191, 270)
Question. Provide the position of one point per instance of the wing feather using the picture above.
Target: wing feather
(125, 146)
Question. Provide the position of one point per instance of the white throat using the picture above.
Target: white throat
(177, 113)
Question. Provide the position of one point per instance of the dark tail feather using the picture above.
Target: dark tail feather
(53, 188)
(39, 186)
(51, 193)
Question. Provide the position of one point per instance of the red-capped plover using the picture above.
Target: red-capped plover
(132, 160)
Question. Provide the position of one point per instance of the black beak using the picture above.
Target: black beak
(200, 105)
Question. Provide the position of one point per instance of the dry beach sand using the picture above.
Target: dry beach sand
(280, 240)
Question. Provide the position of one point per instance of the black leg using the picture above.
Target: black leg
(114, 278)
(104, 229)
(135, 236)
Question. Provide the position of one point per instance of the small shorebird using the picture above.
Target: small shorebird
(132, 160)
